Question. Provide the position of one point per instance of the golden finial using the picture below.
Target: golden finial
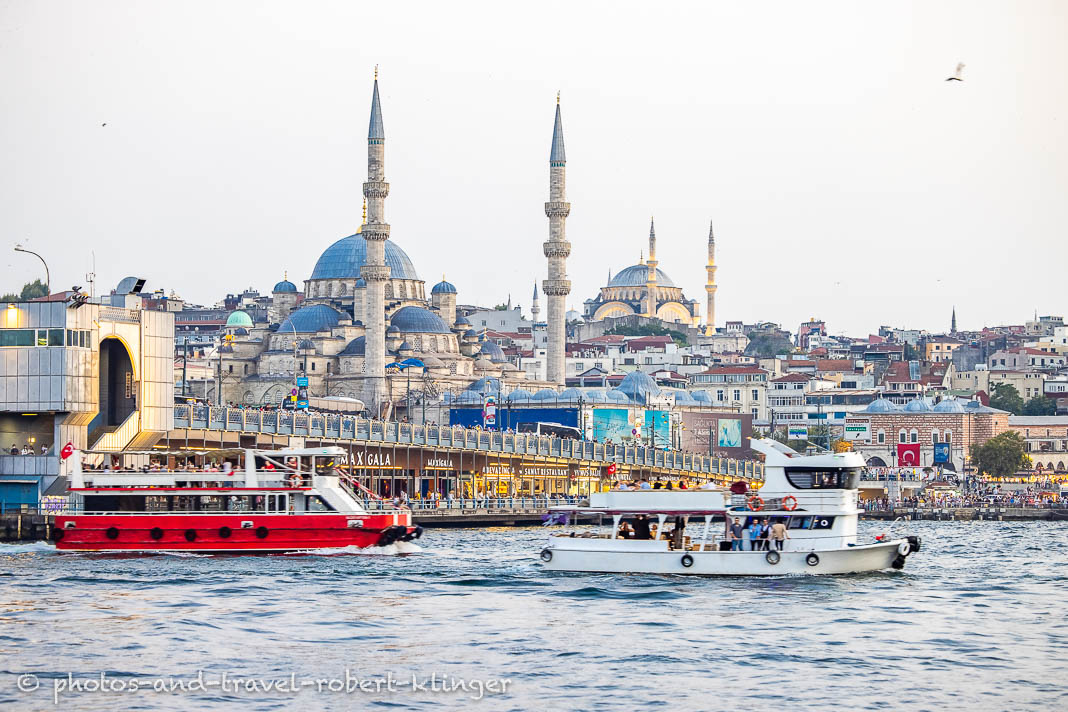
(558, 96)
(285, 276)
(442, 276)
(376, 72)
(364, 212)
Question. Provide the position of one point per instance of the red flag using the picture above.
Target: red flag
(67, 451)
(611, 469)
(908, 454)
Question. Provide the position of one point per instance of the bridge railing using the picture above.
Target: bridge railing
(348, 427)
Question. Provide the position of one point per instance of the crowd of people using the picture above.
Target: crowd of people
(27, 449)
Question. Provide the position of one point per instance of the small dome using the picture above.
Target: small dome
(637, 276)
(308, 320)
(419, 321)
(572, 394)
(238, 318)
(545, 394)
(463, 321)
(881, 405)
(917, 405)
(284, 287)
(683, 398)
(949, 406)
(493, 352)
(638, 385)
(470, 335)
(392, 330)
(519, 395)
(701, 396)
(431, 361)
(241, 332)
(482, 364)
(617, 396)
(573, 315)
(356, 347)
(484, 386)
(443, 287)
(507, 366)
(405, 346)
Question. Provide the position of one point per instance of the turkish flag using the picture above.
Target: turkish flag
(67, 451)
(908, 454)
(611, 469)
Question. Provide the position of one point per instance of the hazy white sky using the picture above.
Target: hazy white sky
(847, 180)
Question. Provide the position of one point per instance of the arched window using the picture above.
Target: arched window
(881, 436)
(902, 436)
(948, 437)
(934, 437)
(246, 369)
(342, 289)
(389, 291)
(914, 436)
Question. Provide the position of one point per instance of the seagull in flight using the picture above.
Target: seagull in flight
(957, 77)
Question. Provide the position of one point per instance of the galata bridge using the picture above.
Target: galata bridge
(451, 470)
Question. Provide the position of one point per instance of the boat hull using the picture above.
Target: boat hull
(238, 532)
(850, 560)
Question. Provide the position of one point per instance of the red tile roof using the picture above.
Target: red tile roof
(835, 364)
(792, 378)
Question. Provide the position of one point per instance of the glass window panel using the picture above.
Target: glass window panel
(55, 337)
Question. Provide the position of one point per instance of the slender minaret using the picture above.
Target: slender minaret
(710, 284)
(535, 310)
(953, 322)
(374, 270)
(556, 249)
(650, 280)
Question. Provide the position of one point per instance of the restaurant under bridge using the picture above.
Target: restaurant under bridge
(451, 461)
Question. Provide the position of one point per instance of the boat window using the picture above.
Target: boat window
(822, 522)
(800, 523)
(817, 478)
(315, 503)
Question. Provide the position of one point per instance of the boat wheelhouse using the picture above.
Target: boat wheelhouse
(245, 501)
(805, 518)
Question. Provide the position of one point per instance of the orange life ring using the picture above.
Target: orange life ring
(792, 503)
(755, 503)
(295, 480)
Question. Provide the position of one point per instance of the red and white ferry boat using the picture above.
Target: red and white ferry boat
(263, 501)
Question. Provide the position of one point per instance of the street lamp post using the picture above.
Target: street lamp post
(48, 278)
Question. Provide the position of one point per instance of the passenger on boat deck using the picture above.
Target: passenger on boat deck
(644, 484)
(626, 531)
(765, 533)
(669, 485)
(754, 535)
(682, 485)
(779, 534)
(641, 527)
(658, 485)
(736, 532)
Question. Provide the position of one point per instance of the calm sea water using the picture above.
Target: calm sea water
(976, 620)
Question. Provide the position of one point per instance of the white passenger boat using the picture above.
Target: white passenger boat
(813, 497)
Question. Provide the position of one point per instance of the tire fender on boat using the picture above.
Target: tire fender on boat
(898, 562)
(112, 533)
(773, 557)
(262, 532)
(57, 534)
(156, 533)
(686, 560)
(903, 548)
(812, 559)
(190, 535)
(546, 555)
(914, 543)
(225, 532)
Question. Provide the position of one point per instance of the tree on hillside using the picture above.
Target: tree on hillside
(30, 290)
(1006, 397)
(1040, 405)
(1001, 455)
(768, 346)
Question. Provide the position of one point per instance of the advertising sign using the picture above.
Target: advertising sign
(701, 433)
(729, 432)
(658, 428)
(302, 393)
(941, 453)
(489, 413)
(858, 431)
(610, 425)
(798, 432)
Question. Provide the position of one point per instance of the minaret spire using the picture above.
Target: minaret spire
(953, 321)
(535, 308)
(650, 280)
(710, 284)
(556, 250)
(375, 271)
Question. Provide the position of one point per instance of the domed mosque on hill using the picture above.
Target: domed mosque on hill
(645, 290)
(326, 333)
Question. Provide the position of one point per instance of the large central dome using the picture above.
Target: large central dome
(343, 260)
(637, 275)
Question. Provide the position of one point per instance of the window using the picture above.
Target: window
(231, 367)
(756, 412)
(756, 394)
(881, 437)
(814, 478)
(901, 436)
(914, 436)
(948, 438)
(719, 396)
(737, 394)
(313, 365)
(934, 437)
(17, 337)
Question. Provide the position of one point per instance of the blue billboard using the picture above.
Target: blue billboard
(657, 431)
(610, 425)
(508, 418)
(941, 453)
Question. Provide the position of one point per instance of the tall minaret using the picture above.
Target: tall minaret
(710, 285)
(535, 310)
(650, 281)
(953, 322)
(556, 249)
(374, 270)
